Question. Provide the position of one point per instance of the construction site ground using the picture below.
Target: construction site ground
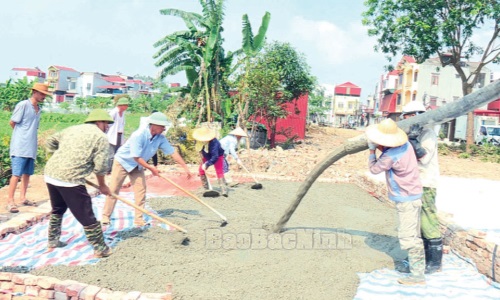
(359, 233)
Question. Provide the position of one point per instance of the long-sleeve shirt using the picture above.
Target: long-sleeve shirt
(428, 164)
(229, 143)
(77, 152)
(117, 127)
(141, 144)
(401, 172)
(212, 151)
(25, 135)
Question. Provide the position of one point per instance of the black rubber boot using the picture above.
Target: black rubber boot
(434, 256)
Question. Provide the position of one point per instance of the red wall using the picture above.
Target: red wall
(297, 122)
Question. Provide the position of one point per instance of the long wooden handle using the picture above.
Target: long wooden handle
(193, 196)
(140, 209)
(249, 173)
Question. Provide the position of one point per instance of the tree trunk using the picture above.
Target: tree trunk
(441, 115)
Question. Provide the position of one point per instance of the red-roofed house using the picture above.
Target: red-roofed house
(345, 104)
(62, 80)
(32, 74)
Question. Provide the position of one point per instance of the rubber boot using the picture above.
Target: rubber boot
(55, 223)
(434, 256)
(204, 181)
(223, 186)
(96, 239)
(417, 267)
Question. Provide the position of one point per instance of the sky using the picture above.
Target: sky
(113, 36)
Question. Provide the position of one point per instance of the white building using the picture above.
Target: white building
(32, 74)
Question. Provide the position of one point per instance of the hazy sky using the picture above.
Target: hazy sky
(117, 35)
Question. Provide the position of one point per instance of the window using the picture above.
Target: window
(89, 86)
(350, 106)
(399, 100)
(415, 77)
(435, 79)
(413, 97)
(340, 105)
(433, 101)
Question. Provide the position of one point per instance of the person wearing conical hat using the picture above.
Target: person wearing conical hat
(229, 144)
(131, 160)
(212, 154)
(116, 130)
(398, 161)
(25, 121)
(78, 151)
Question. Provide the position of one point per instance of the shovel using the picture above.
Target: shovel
(257, 185)
(140, 209)
(224, 219)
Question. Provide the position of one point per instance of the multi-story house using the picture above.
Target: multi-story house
(345, 104)
(61, 80)
(32, 74)
(389, 95)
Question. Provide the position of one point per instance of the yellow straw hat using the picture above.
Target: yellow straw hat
(42, 88)
(386, 133)
(203, 134)
(238, 131)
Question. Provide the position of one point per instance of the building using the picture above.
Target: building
(62, 82)
(346, 103)
(32, 74)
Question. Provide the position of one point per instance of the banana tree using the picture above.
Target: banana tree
(251, 46)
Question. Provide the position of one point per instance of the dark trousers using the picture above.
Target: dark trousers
(77, 199)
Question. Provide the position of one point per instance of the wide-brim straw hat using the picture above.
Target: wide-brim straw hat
(238, 131)
(203, 134)
(99, 115)
(386, 133)
(42, 88)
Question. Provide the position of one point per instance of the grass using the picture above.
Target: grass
(56, 121)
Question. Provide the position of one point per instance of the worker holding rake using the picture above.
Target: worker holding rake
(77, 152)
(229, 144)
(212, 154)
(131, 160)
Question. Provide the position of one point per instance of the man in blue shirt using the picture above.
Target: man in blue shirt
(24, 143)
(131, 160)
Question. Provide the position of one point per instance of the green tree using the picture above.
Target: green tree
(13, 92)
(445, 28)
(251, 46)
(316, 103)
(278, 76)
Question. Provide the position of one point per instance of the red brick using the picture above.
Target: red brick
(47, 283)
(89, 292)
(19, 288)
(62, 285)
(7, 285)
(32, 290)
(106, 294)
(6, 276)
(47, 294)
(5, 296)
(480, 242)
(26, 279)
(74, 290)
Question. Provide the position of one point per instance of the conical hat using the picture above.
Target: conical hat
(386, 133)
(203, 134)
(238, 131)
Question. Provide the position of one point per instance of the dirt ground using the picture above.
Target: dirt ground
(297, 162)
(228, 262)
(337, 231)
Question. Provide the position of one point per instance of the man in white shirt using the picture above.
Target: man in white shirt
(115, 132)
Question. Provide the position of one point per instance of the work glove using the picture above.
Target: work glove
(238, 161)
(372, 146)
(204, 167)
